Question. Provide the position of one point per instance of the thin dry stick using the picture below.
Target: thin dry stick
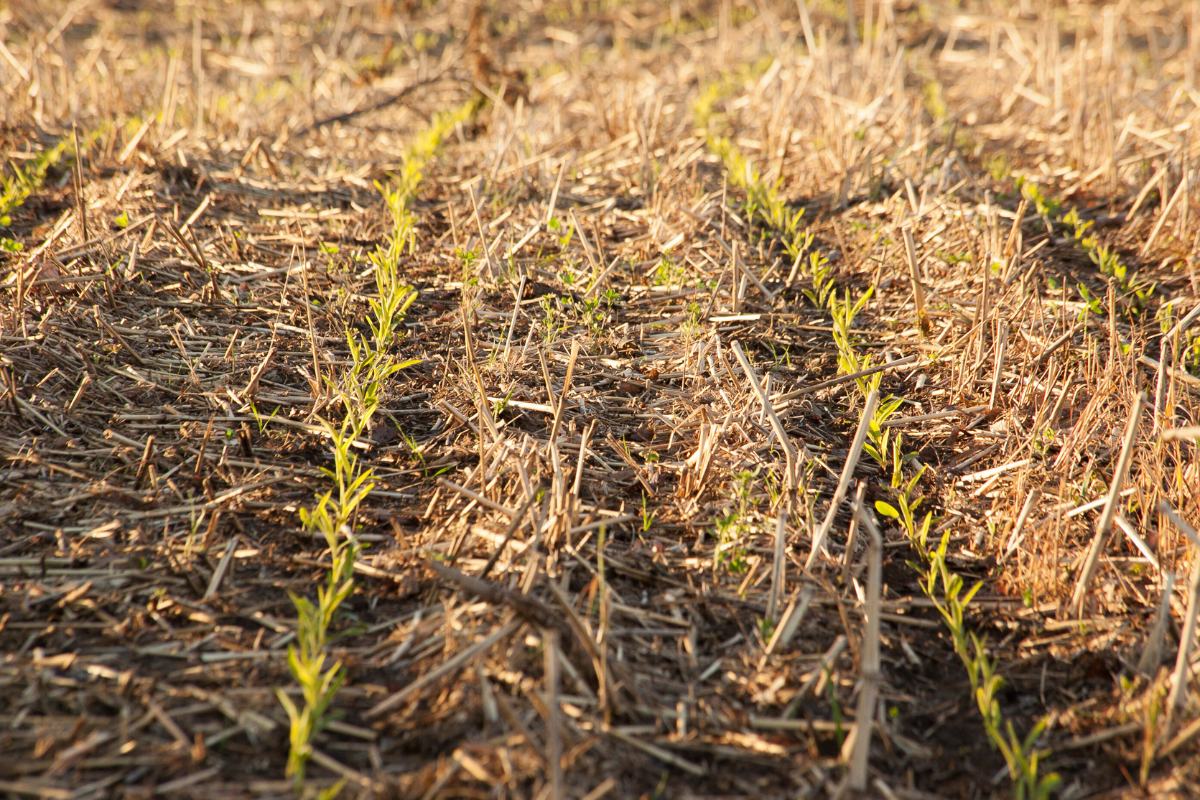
(483, 242)
(1180, 191)
(869, 669)
(1186, 735)
(607, 693)
(583, 454)
(512, 322)
(77, 174)
(914, 273)
(777, 571)
(735, 283)
(821, 669)
(602, 789)
(1181, 327)
(1179, 678)
(663, 755)
(839, 494)
(219, 573)
(793, 615)
(485, 411)
(1168, 351)
(592, 646)
(776, 425)
(1169, 354)
(914, 202)
(315, 383)
(1188, 636)
(554, 193)
(893, 422)
(853, 376)
(513, 524)
(1126, 527)
(1052, 348)
(1110, 508)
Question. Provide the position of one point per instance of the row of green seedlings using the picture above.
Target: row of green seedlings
(1137, 290)
(766, 208)
(373, 362)
(1107, 260)
(945, 588)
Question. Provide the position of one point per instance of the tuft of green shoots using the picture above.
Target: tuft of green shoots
(16, 188)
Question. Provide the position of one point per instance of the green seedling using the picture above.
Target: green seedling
(669, 273)
(333, 517)
(734, 526)
(259, 420)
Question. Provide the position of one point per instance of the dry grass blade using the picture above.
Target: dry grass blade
(663, 755)
(554, 739)
(1152, 652)
(1017, 535)
(778, 565)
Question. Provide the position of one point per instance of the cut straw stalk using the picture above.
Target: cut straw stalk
(909, 361)
(1018, 531)
(860, 747)
(1152, 652)
(778, 566)
(1104, 526)
(776, 424)
(554, 739)
(914, 274)
(560, 407)
(793, 615)
(852, 536)
(1188, 637)
(998, 370)
(1180, 191)
(839, 494)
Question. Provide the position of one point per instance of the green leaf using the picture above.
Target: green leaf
(886, 509)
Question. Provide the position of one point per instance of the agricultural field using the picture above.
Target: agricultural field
(590, 398)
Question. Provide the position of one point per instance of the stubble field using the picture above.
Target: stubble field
(570, 398)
